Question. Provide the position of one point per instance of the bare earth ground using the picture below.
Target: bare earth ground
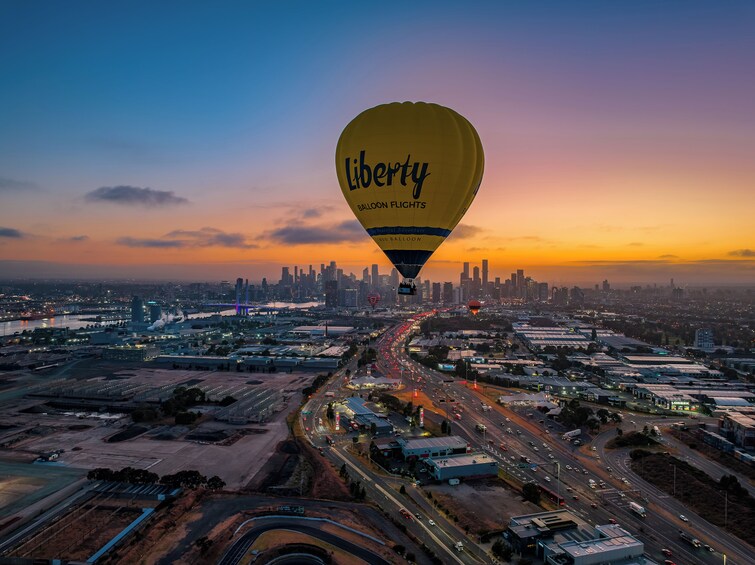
(481, 505)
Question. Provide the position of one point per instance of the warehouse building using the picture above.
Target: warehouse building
(464, 466)
(561, 538)
(423, 448)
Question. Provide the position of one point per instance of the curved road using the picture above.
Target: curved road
(241, 546)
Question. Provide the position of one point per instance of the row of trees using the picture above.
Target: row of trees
(183, 479)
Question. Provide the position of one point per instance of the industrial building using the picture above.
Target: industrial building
(561, 538)
(464, 466)
(423, 448)
(739, 429)
(365, 418)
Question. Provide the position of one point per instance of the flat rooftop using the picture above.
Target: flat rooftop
(453, 442)
(462, 460)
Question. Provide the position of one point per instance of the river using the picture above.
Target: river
(75, 322)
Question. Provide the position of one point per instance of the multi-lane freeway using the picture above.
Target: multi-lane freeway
(595, 483)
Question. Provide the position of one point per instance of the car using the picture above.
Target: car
(612, 520)
(575, 497)
(709, 548)
(683, 518)
(431, 522)
(594, 448)
(668, 562)
(666, 552)
(547, 479)
(593, 505)
(551, 456)
(545, 444)
(568, 467)
(418, 515)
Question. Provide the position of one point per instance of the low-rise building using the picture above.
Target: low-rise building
(561, 538)
(738, 428)
(426, 447)
(464, 466)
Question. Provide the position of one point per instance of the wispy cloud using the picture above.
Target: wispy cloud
(211, 237)
(78, 238)
(7, 184)
(135, 196)
(345, 232)
(742, 253)
(204, 237)
(668, 256)
(11, 233)
(635, 244)
(154, 243)
(465, 231)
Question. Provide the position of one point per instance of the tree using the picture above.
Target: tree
(373, 428)
(619, 432)
(410, 557)
(402, 490)
(215, 483)
(227, 401)
(531, 492)
(602, 413)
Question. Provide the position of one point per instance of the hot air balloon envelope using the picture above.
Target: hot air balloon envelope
(474, 306)
(409, 172)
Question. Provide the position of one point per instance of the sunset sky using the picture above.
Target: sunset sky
(196, 140)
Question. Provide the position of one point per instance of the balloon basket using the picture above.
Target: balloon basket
(407, 288)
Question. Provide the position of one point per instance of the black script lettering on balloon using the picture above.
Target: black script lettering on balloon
(361, 175)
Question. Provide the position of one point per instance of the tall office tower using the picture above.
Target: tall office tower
(476, 275)
(465, 272)
(513, 283)
(704, 339)
(331, 294)
(155, 312)
(485, 274)
(239, 289)
(375, 276)
(137, 310)
(448, 293)
(606, 286)
(296, 274)
(366, 275)
(436, 293)
(394, 278)
(286, 278)
(521, 283)
(542, 292)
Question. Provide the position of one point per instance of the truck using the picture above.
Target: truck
(572, 434)
(458, 546)
(638, 509)
(694, 542)
(485, 407)
(480, 427)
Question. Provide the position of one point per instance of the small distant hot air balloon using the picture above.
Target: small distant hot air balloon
(409, 171)
(474, 306)
(373, 298)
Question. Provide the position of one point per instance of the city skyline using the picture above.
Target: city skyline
(618, 141)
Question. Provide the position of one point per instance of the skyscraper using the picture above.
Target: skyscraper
(375, 276)
(484, 274)
(137, 310)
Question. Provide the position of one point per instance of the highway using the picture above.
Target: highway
(380, 487)
(543, 446)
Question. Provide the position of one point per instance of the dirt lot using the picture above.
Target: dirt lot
(79, 534)
(481, 505)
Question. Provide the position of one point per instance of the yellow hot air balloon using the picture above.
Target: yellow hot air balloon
(409, 172)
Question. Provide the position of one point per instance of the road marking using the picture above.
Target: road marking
(397, 503)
